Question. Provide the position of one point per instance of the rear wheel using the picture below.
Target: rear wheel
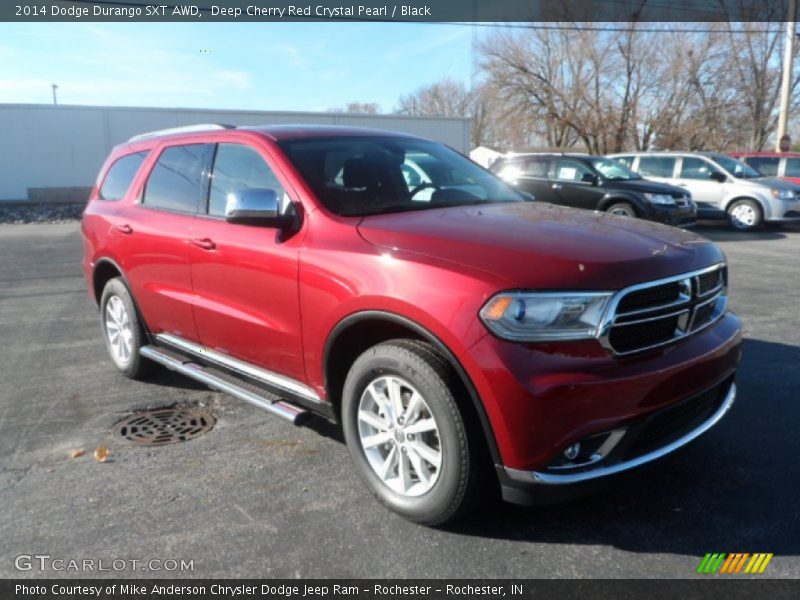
(406, 433)
(122, 330)
(623, 209)
(744, 215)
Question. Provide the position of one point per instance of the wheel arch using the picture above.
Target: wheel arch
(638, 205)
(106, 269)
(761, 204)
(373, 327)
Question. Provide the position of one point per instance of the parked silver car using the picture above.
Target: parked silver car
(722, 186)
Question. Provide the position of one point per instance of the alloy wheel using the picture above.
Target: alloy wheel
(119, 330)
(399, 436)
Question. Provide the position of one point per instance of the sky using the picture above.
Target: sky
(256, 66)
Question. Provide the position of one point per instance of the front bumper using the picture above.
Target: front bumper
(783, 211)
(542, 398)
(550, 478)
(677, 216)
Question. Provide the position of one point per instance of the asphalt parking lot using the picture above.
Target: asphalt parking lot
(256, 497)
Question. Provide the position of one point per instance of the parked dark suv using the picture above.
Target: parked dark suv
(596, 183)
(463, 337)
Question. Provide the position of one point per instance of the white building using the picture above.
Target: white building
(53, 152)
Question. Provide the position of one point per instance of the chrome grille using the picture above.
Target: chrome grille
(657, 313)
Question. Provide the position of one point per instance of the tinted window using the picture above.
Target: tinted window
(569, 169)
(177, 181)
(696, 168)
(792, 167)
(657, 166)
(528, 166)
(120, 175)
(766, 165)
(237, 168)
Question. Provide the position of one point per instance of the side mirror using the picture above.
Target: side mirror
(718, 176)
(255, 206)
(589, 178)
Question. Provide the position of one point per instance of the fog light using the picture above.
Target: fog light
(571, 453)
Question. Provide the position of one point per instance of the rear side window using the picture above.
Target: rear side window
(237, 168)
(657, 166)
(766, 165)
(178, 180)
(120, 175)
(792, 167)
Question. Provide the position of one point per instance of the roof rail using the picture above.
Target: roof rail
(184, 129)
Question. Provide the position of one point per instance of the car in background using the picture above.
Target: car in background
(722, 186)
(596, 183)
(785, 165)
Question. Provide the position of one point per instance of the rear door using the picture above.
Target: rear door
(529, 174)
(245, 277)
(570, 183)
(155, 235)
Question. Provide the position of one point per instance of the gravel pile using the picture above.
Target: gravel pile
(40, 213)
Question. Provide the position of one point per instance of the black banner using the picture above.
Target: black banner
(433, 589)
(642, 11)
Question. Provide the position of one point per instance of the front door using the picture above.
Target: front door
(696, 176)
(245, 277)
(573, 183)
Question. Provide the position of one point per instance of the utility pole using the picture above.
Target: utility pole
(786, 82)
(55, 87)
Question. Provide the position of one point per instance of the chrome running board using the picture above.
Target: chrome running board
(220, 382)
(280, 382)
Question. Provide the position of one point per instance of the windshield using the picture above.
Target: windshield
(735, 167)
(613, 170)
(373, 175)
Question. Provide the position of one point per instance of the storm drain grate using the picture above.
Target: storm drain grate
(164, 426)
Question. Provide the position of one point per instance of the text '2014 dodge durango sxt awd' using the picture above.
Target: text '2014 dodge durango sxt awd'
(462, 336)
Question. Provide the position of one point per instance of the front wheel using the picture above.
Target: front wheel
(406, 433)
(623, 209)
(744, 215)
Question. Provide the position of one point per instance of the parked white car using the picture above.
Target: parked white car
(721, 186)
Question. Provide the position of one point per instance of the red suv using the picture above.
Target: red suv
(462, 335)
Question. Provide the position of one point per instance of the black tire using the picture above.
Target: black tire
(135, 366)
(456, 490)
(624, 209)
(745, 215)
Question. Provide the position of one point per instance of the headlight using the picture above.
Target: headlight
(546, 316)
(659, 198)
(782, 194)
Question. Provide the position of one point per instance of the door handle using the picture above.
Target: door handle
(556, 186)
(204, 243)
(126, 229)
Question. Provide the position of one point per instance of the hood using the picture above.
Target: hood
(772, 182)
(646, 186)
(542, 246)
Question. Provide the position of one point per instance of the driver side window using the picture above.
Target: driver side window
(696, 168)
(236, 168)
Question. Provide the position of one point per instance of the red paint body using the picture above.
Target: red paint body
(274, 302)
